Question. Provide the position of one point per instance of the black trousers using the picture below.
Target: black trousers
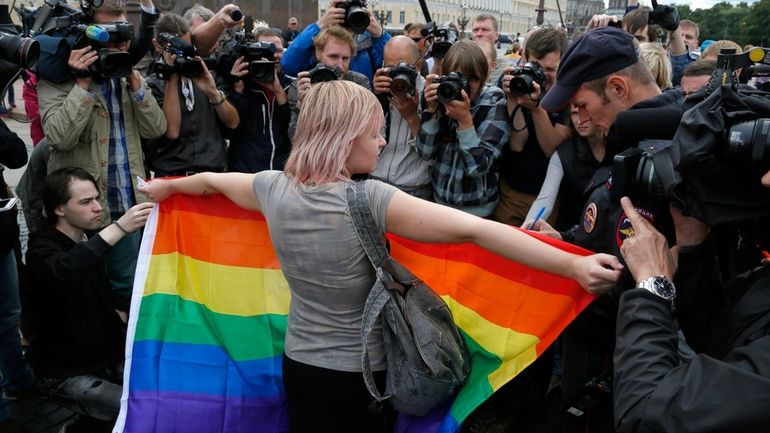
(322, 400)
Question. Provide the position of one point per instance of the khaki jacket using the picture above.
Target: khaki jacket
(77, 126)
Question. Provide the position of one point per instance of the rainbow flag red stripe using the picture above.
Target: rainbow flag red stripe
(209, 316)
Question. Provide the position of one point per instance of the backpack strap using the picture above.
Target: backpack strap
(363, 222)
(375, 303)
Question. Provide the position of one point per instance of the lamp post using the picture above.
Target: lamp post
(462, 22)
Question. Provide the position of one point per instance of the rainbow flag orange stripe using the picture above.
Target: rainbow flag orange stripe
(209, 317)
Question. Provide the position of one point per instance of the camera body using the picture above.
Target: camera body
(322, 72)
(443, 37)
(184, 62)
(403, 79)
(524, 77)
(356, 18)
(261, 59)
(451, 86)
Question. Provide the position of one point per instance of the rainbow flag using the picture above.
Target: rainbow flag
(208, 318)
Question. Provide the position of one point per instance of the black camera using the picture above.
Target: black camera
(260, 56)
(443, 38)
(321, 73)
(403, 79)
(524, 77)
(451, 86)
(665, 16)
(20, 51)
(185, 63)
(356, 18)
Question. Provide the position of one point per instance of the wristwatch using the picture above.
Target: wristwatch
(222, 99)
(660, 286)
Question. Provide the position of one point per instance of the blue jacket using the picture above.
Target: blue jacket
(300, 56)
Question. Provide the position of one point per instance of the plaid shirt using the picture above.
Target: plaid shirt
(120, 194)
(465, 163)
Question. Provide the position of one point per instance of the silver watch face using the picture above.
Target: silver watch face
(662, 287)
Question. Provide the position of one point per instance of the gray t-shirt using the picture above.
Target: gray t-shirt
(325, 266)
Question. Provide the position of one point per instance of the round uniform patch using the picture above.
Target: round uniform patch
(625, 229)
(589, 218)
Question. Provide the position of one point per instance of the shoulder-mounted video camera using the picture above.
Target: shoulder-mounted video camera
(443, 37)
(57, 21)
(719, 148)
(259, 55)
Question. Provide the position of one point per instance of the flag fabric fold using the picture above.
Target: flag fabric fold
(209, 308)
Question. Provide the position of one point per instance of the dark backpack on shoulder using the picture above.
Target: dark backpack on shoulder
(427, 359)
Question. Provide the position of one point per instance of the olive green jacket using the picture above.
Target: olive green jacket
(77, 126)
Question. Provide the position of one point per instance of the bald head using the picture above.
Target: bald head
(401, 49)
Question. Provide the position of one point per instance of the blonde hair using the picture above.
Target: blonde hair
(336, 32)
(656, 59)
(332, 116)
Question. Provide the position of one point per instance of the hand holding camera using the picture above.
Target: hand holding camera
(453, 92)
(80, 62)
(334, 16)
(665, 16)
(240, 70)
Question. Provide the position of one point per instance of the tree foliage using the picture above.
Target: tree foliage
(742, 23)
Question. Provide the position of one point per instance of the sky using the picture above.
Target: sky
(697, 4)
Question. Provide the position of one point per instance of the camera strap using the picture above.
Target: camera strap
(188, 92)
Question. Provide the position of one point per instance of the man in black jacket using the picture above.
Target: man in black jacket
(16, 375)
(78, 345)
(726, 387)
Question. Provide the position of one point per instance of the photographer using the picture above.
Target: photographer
(193, 107)
(96, 123)
(400, 164)
(535, 133)
(261, 141)
(719, 390)
(601, 75)
(370, 43)
(334, 49)
(464, 127)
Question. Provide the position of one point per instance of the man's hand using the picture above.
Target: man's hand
(531, 100)
(333, 16)
(405, 104)
(303, 85)
(240, 69)
(646, 251)
(382, 82)
(223, 16)
(431, 94)
(374, 29)
(136, 217)
(460, 111)
(206, 82)
(81, 60)
(689, 231)
(601, 21)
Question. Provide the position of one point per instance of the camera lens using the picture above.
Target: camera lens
(262, 71)
(112, 64)
(20, 51)
(401, 85)
(749, 142)
(447, 92)
(357, 19)
(521, 84)
(321, 75)
(647, 182)
(189, 68)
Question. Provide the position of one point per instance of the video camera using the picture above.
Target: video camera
(707, 160)
(443, 38)
(185, 62)
(15, 52)
(524, 77)
(356, 17)
(259, 55)
(58, 21)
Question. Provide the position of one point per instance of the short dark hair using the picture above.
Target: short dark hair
(269, 32)
(637, 19)
(56, 190)
(544, 41)
(700, 67)
(170, 22)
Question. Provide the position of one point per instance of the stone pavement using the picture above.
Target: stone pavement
(36, 415)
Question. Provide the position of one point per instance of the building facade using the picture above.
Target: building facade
(579, 13)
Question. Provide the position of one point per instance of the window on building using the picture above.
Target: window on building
(389, 18)
(402, 17)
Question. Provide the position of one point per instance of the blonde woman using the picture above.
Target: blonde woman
(328, 272)
(656, 59)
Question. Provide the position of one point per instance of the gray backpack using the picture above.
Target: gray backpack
(426, 357)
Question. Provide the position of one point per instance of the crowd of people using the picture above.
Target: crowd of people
(454, 146)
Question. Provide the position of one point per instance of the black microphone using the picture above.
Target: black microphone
(647, 124)
(236, 15)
